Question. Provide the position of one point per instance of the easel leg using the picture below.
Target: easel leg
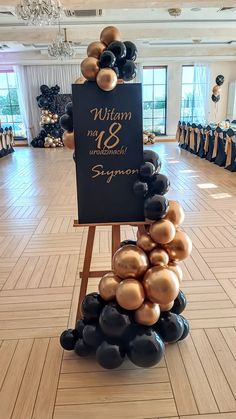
(115, 239)
(86, 267)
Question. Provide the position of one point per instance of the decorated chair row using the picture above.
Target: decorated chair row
(6, 141)
(216, 145)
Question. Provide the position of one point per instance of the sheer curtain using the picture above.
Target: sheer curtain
(31, 78)
(201, 93)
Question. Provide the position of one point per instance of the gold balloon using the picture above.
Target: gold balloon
(46, 112)
(179, 248)
(159, 257)
(110, 34)
(173, 266)
(175, 213)
(108, 286)
(47, 120)
(89, 68)
(130, 262)
(130, 294)
(145, 242)
(55, 116)
(80, 80)
(95, 49)
(161, 285)
(69, 140)
(216, 90)
(106, 79)
(148, 314)
(50, 141)
(162, 231)
(166, 307)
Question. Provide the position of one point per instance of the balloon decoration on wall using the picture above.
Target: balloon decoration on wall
(139, 304)
(217, 88)
(51, 132)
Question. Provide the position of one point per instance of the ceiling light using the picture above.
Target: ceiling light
(174, 12)
(61, 48)
(41, 12)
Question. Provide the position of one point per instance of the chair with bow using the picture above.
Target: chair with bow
(178, 132)
(209, 143)
(219, 147)
(193, 139)
(230, 150)
(200, 141)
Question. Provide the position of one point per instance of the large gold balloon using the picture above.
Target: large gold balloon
(173, 266)
(162, 231)
(130, 294)
(90, 68)
(159, 257)
(216, 90)
(69, 140)
(95, 49)
(175, 213)
(106, 79)
(180, 248)
(146, 243)
(148, 314)
(130, 262)
(161, 285)
(110, 34)
(166, 307)
(108, 286)
(80, 80)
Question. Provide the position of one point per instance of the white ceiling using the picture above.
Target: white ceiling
(204, 33)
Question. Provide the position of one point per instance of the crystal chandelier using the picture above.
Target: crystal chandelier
(174, 12)
(40, 12)
(61, 48)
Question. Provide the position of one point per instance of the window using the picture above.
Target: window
(9, 105)
(195, 80)
(154, 99)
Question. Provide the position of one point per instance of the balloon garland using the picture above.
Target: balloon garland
(51, 132)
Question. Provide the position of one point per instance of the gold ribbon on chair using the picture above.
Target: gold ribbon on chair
(191, 138)
(187, 135)
(198, 132)
(206, 145)
(217, 135)
(181, 139)
(178, 133)
(228, 149)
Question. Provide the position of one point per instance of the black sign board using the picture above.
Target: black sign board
(108, 152)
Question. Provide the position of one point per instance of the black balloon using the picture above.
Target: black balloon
(169, 326)
(109, 355)
(82, 349)
(126, 242)
(92, 335)
(68, 340)
(146, 171)
(79, 327)
(118, 48)
(33, 143)
(69, 108)
(220, 80)
(43, 102)
(156, 207)
(179, 303)
(215, 98)
(159, 184)
(114, 320)
(56, 133)
(131, 50)
(66, 122)
(186, 328)
(107, 59)
(152, 157)
(140, 188)
(92, 306)
(128, 70)
(44, 89)
(145, 348)
(40, 143)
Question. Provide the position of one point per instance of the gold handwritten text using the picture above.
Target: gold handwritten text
(98, 171)
(106, 114)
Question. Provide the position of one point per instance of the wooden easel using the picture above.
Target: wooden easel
(86, 273)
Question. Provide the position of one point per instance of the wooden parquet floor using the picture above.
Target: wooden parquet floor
(40, 258)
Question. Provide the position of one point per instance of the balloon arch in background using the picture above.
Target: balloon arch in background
(217, 88)
(139, 304)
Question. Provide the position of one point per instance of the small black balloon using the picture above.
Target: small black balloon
(126, 242)
(220, 80)
(131, 50)
(109, 355)
(118, 48)
(40, 143)
(128, 71)
(68, 340)
(146, 171)
(33, 143)
(156, 207)
(79, 327)
(186, 328)
(169, 326)
(92, 335)
(43, 102)
(159, 184)
(152, 157)
(140, 188)
(179, 303)
(82, 349)
(145, 348)
(215, 99)
(107, 59)
(114, 320)
(92, 306)
(44, 88)
(66, 122)
(69, 108)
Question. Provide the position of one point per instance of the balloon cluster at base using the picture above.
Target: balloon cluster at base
(217, 88)
(51, 132)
